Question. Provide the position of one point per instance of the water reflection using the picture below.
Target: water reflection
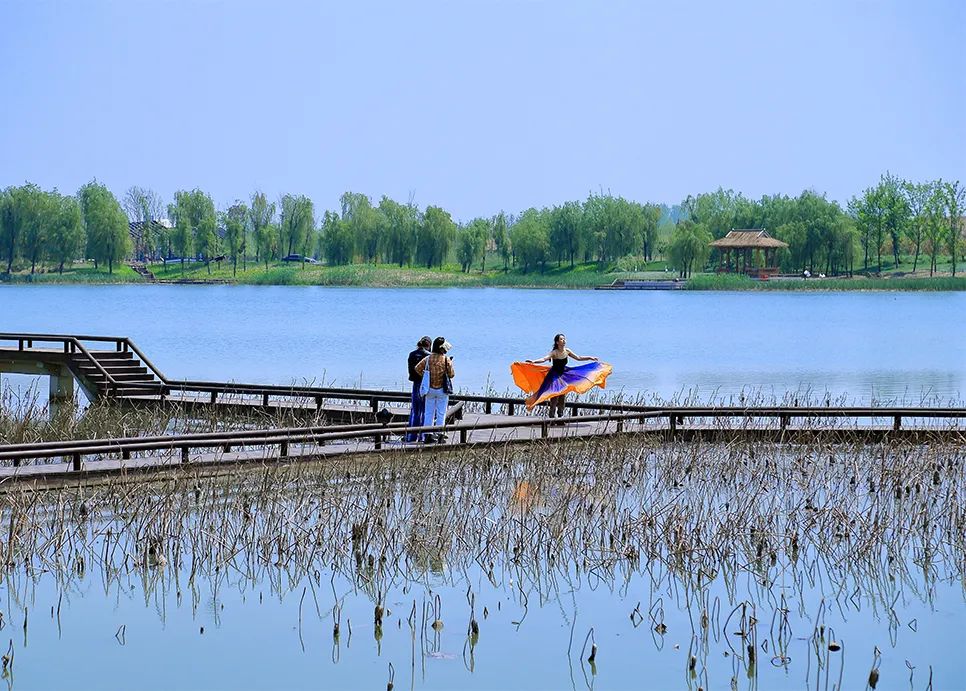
(594, 564)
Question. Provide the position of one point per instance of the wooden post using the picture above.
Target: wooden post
(283, 449)
(185, 456)
(897, 422)
(487, 407)
(509, 409)
(544, 430)
(377, 439)
(374, 405)
(265, 400)
(784, 421)
(76, 458)
(673, 427)
(462, 436)
(125, 455)
(214, 396)
(620, 425)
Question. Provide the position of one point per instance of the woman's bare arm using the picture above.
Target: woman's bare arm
(545, 358)
(581, 358)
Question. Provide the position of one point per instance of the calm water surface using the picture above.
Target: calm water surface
(864, 346)
(156, 629)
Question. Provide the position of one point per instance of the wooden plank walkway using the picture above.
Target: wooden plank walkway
(652, 430)
(123, 373)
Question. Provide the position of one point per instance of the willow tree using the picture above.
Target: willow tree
(195, 224)
(108, 236)
(297, 222)
(66, 238)
(234, 221)
(690, 246)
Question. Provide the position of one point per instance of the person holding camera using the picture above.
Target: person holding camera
(436, 372)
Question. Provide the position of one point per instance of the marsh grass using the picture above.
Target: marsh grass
(735, 282)
(740, 535)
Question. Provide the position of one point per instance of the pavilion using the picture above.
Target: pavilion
(744, 244)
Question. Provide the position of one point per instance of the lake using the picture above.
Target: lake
(875, 346)
(673, 560)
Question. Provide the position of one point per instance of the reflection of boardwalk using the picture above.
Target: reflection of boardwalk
(373, 422)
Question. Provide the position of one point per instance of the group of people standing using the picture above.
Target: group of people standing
(431, 373)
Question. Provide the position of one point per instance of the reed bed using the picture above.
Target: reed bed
(740, 536)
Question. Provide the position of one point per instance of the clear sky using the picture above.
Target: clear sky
(482, 106)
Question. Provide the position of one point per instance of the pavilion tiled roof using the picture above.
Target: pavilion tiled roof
(757, 239)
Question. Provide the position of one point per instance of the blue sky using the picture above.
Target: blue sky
(482, 106)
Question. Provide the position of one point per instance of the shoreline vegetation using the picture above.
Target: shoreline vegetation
(894, 235)
(589, 275)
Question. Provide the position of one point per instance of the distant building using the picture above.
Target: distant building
(754, 252)
(157, 227)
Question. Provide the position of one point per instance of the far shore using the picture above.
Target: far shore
(654, 275)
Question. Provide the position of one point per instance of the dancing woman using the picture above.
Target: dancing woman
(554, 382)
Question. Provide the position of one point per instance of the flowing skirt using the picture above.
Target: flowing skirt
(542, 383)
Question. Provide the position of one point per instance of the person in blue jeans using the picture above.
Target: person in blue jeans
(440, 366)
(416, 412)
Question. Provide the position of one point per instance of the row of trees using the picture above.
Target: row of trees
(895, 216)
(892, 217)
(47, 227)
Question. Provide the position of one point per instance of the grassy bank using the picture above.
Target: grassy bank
(85, 274)
(587, 275)
(917, 283)
(581, 276)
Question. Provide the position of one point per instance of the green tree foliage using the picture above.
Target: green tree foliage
(896, 214)
(37, 216)
(261, 213)
(917, 200)
(720, 211)
(400, 230)
(689, 247)
(235, 222)
(651, 218)
(471, 243)
(66, 238)
(565, 224)
(20, 229)
(297, 222)
(337, 240)
(108, 238)
(892, 217)
(501, 239)
(434, 237)
(365, 223)
(934, 226)
(954, 200)
(530, 236)
(195, 222)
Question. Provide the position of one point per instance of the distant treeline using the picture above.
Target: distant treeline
(41, 228)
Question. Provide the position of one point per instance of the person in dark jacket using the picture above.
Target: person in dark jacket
(418, 404)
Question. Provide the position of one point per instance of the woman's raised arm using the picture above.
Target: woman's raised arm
(581, 358)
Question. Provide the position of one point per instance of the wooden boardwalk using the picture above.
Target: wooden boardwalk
(369, 422)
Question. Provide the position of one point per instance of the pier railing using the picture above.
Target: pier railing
(75, 451)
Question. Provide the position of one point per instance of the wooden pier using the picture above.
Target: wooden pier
(374, 421)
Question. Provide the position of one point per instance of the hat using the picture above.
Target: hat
(447, 346)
